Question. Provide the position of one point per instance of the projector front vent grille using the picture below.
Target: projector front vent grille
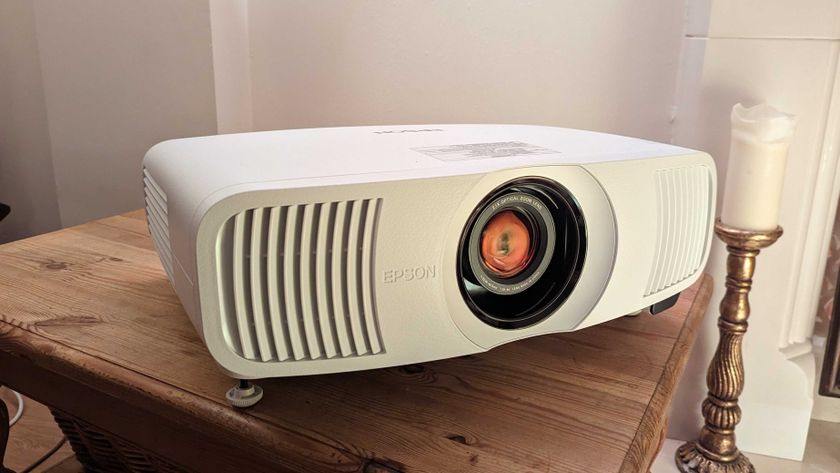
(297, 282)
(683, 197)
(158, 219)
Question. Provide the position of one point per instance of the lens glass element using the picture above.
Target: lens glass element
(521, 252)
(506, 244)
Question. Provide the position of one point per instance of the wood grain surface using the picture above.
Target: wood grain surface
(89, 325)
(33, 435)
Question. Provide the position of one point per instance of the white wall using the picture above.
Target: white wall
(26, 174)
(100, 81)
(786, 54)
(120, 76)
(86, 87)
(607, 65)
(231, 65)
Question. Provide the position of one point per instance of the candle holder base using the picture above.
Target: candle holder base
(690, 459)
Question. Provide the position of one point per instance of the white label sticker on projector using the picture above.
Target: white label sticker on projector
(501, 149)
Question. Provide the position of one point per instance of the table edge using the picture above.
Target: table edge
(145, 392)
(643, 449)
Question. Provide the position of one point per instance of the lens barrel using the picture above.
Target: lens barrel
(521, 252)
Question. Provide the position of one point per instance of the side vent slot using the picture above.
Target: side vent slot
(297, 282)
(683, 196)
(157, 215)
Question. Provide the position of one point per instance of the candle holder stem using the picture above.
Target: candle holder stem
(715, 450)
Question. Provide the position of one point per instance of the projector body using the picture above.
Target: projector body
(340, 249)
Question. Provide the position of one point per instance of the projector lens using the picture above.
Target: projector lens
(521, 252)
(506, 244)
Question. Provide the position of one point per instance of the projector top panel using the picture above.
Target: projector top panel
(375, 153)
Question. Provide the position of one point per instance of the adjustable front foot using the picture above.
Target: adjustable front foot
(245, 394)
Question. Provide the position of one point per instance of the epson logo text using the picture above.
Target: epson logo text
(416, 273)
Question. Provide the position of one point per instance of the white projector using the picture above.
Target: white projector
(340, 249)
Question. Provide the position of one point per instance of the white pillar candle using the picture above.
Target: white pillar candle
(757, 154)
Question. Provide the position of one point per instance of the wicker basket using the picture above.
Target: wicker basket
(101, 452)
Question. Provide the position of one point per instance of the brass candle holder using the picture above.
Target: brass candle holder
(715, 451)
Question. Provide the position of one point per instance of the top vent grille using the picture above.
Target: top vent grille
(683, 196)
(297, 282)
(157, 214)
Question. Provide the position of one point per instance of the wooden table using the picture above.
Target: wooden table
(90, 326)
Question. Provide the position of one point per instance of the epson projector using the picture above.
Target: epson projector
(339, 249)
